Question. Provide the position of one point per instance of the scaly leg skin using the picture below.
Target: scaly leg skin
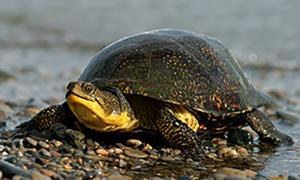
(267, 132)
(179, 135)
(45, 118)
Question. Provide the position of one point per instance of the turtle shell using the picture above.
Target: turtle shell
(176, 66)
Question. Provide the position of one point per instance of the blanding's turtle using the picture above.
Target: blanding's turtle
(173, 82)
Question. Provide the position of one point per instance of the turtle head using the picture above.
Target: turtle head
(98, 109)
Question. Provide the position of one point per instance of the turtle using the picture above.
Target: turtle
(173, 82)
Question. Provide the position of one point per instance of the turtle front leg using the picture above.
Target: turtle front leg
(267, 132)
(178, 134)
(45, 118)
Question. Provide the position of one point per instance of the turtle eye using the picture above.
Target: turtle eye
(88, 88)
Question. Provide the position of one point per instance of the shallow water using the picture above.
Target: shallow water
(45, 44)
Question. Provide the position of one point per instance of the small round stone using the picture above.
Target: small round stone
(45, 152)
(231, 153)
(56, 143)
(31, 141)
(91, 152)
(38, 176)
(48, 172)
(231, 172)
(250, 173)
(135, 153)
(118, 151)
(243, 152)
(2, 147)
(133, 143)
(102, 152)
(219, 141)
(43, 144)
(122, 163)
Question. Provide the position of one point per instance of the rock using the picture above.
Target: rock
(231, 172)
(5, 110)
(48, 172)
(9, 169)
(227, 152)
(102, 152)
(280, 177)
(56, 143)
(45, 152)
(236, 177)
(134, 143)
(31, 141)
(2, 148)
(118, 177)
(219, 141)
(31, 111)
(278, 94)
(219, 176)
(242, 152)
(43, 144)
(122, 163)
(118, 151)
(38, 176)
(4, 76)
(294, 177)
(250, 173)
(135, 153)
(288, 117)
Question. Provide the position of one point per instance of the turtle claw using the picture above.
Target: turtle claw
(21, 130)
(195, 154)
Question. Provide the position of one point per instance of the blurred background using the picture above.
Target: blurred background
(44, 44)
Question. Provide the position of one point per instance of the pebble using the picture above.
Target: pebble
(227, 152)
(243, 152)
(4, 76)
(55, 154)
(102, 152)
(250, 173)
(31, 111)
(280, 177)
(31, 141)
(38, 176)
(231, 172)
(5, 109)
(2, 147)
(135, 153)
(45, 152)
(91, 152)
(118, 177)
(122, 163)
(118, 151)
(43, 144)
(48, 172)
(219, 141)
(288, 117)
(134, 143)
(56, 143)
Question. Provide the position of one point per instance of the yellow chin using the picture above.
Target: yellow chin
(186, 117)
(93, 116)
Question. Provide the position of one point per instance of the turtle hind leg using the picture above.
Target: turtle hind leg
(178, 134)
(45, 118)
(267, 132)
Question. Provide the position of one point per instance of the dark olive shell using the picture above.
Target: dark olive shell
(179, 67)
